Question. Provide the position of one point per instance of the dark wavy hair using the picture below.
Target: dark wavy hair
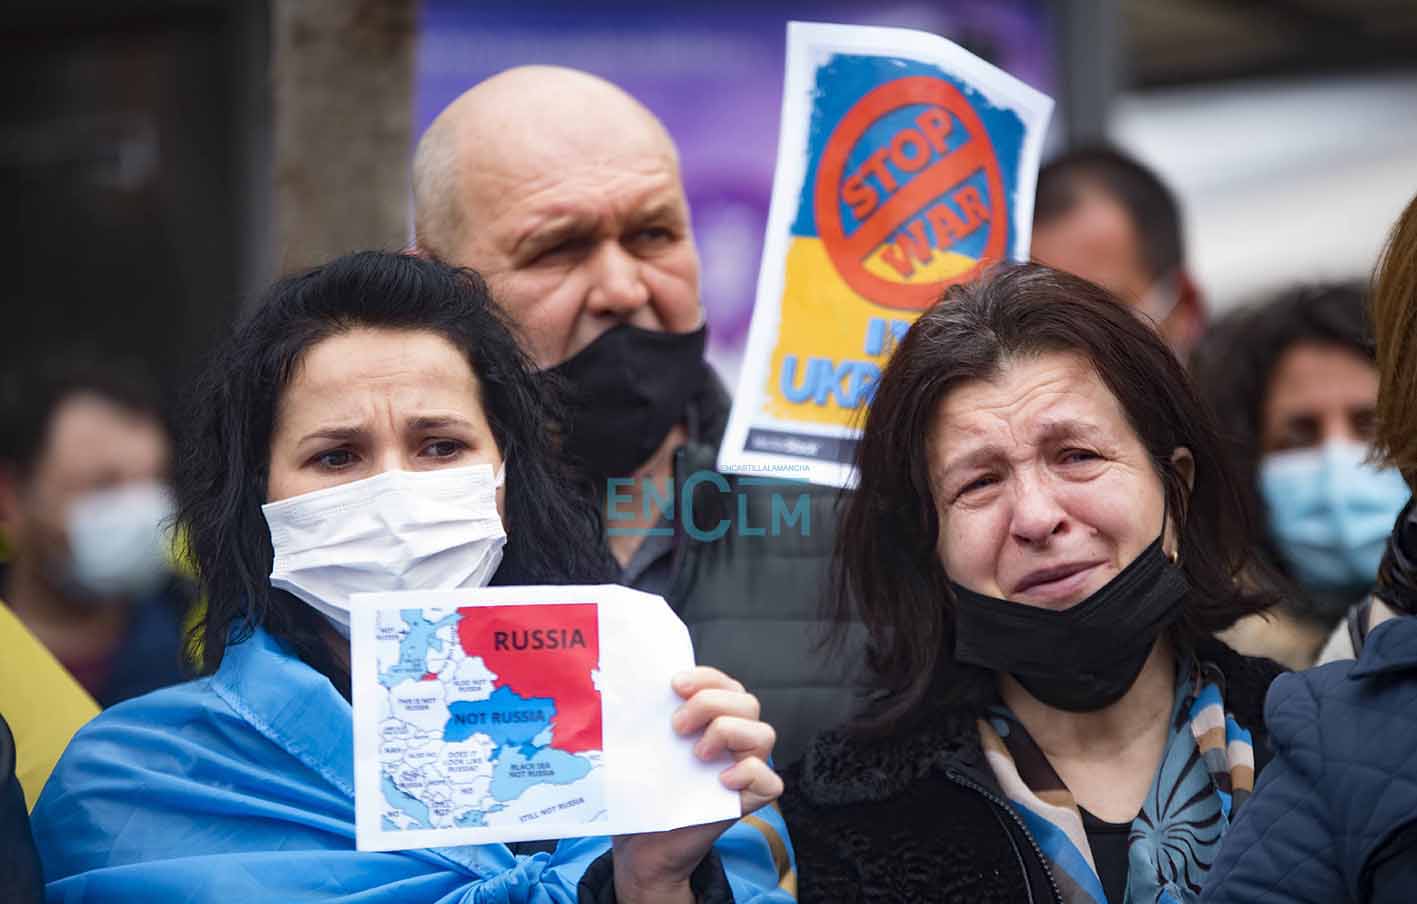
(553, 528)
(1232, 367)
(887, 569)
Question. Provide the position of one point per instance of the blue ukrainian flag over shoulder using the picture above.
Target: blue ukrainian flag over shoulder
(240, 787)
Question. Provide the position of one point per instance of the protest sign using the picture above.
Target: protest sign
(521, 713)
(905, 164)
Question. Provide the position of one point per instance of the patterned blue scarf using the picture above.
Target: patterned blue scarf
(1207, 772)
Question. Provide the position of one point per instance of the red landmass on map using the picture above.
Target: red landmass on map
(543, 651)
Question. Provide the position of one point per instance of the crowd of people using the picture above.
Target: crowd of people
(1061, 643)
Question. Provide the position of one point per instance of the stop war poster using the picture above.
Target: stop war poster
(905, 164)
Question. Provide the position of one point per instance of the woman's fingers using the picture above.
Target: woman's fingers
(741, 738)
(756, 784)
(706, 705)
(728, 715)
(699, 678)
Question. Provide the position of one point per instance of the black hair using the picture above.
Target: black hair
(888, 573)
(553, 527)
(33, 389)
(1232, 368)
(1150, 204)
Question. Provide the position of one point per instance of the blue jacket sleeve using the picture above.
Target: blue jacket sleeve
(1280, 847)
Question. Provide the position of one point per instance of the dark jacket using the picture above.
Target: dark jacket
(752, 600)
(1335, 819)
(20, 879)
(919, 816)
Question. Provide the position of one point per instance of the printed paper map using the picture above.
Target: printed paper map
(502, 714)
(491, 716)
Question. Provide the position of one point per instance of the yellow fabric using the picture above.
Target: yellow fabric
(42, 703)
(787, 876)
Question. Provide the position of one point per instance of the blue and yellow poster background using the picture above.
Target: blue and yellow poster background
(914, 174)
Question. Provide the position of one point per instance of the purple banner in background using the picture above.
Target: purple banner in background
(713, 74)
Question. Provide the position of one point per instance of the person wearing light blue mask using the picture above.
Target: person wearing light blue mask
(1330, 511)
(1334, 818)
(1295, 387)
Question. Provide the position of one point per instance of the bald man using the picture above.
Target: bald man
(564, 192)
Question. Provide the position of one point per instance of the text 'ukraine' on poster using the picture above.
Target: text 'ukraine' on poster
(905, 165)
(519, 713)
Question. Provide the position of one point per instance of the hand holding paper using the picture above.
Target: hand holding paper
(520, 713)
(657, 866)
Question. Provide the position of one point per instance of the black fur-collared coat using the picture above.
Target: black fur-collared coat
(919, 817)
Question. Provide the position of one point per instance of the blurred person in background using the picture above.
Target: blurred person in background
(1295, 387)
(84, 509)
(1102, 215)
(580, 225)
(1335, 817)
(372, 426)
(1043, 542)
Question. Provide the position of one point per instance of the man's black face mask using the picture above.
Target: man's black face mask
(628, 388)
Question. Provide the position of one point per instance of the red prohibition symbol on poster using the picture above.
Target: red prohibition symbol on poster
(913, 196)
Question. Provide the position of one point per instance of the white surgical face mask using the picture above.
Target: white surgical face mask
(120, 540)
(399, 530)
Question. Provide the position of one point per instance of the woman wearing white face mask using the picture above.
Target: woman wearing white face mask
(373, 427)
(85, 508)
(1295, 387)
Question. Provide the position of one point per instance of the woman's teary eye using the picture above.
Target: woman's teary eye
(1073, 456)
(979, 483)
(550, 254)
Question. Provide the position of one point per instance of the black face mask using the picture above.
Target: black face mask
(1086, 656)
(628, 388)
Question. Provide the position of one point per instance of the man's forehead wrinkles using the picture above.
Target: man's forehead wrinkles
(594, 208)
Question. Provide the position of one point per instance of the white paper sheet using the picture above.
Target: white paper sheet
(471, 728)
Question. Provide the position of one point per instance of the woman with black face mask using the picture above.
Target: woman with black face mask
(1043, 541)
